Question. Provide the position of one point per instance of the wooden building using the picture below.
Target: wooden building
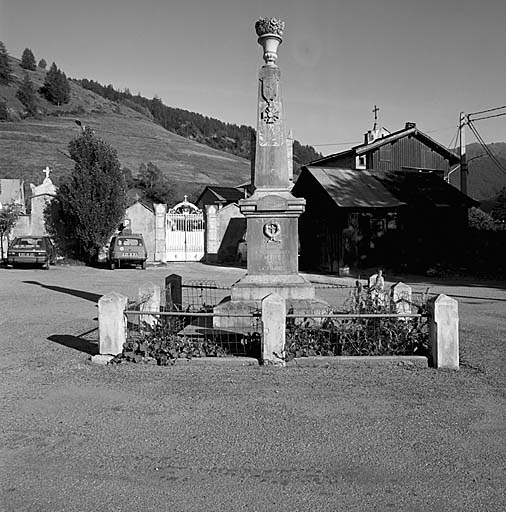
(382, 203)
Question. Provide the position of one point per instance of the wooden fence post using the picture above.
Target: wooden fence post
(173, 292)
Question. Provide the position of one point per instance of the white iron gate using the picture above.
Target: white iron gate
(185, 232)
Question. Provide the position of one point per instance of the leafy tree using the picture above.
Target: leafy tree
(5, 66)
(157, 187)
(499, 210)
(480, 220)
(42, 64)
(129, 177)
(56, 88)
(91, 203)
(28, 60)
(26, 95)
(9, 215)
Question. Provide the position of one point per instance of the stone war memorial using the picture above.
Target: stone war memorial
(271, 212)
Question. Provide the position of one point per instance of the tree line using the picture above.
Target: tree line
(232, 138)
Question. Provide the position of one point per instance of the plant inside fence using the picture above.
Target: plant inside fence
(358, 335)
(165, 338)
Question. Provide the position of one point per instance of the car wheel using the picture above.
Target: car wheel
(112, 265)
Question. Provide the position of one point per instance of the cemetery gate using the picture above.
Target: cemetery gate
(185, 232)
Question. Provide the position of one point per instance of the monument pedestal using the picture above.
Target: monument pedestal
(272, 212)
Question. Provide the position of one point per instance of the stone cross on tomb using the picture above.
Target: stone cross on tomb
(46, 171)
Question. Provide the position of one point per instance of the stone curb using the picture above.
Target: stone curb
(218, 361)
(358, 361)
(301, 362)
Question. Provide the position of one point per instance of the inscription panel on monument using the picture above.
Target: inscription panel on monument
(276, 251)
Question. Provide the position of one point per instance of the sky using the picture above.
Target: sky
(421, 61)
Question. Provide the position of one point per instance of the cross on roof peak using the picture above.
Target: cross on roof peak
(375, 112)
(46, 171)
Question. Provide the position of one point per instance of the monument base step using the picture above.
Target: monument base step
(254, 287)
(229, 306)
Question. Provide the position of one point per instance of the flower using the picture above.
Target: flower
(269, 26)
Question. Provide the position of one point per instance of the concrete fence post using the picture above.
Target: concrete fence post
(173, 292)
(149, 300)
(444, 331)
(111, 323)
(273, 330)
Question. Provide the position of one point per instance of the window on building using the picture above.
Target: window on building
(361, 162)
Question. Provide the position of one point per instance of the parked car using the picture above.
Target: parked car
(31, 250)
(127, 249)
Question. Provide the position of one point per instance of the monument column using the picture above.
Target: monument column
(272, 212)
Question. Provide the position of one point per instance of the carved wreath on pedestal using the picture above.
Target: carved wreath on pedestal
(272, 230)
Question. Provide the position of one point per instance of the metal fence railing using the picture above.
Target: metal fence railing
(202, 293)
(195, 333)
(357, 334)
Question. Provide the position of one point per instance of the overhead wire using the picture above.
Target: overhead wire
(485, 111)
(489, 117)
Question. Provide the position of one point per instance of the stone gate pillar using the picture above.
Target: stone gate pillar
(160, 233)
(211, 240)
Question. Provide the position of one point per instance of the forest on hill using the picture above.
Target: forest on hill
(217, 134)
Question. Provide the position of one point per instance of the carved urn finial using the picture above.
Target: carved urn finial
(269, 32)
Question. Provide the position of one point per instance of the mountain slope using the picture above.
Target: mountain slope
(485, 179)
(28, 145)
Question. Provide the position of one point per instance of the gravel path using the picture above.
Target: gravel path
(80, 437)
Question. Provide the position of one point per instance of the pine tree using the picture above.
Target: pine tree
(28, 60)
(4, 113)
(42, 64)
(90, 204)
(5, 67)
(56, 88)
(26, 95)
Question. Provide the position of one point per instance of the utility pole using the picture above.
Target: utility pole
(463, 157)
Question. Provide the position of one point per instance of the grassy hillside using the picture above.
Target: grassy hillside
(28, 145)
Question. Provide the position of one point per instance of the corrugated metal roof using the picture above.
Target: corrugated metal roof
(349, 188)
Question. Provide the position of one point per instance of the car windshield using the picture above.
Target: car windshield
(131, 242)
(27, 243)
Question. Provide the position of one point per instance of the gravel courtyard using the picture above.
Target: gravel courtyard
(81, 437)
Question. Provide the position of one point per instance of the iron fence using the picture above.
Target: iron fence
(194, 334)
(197, 294)
(373, 334)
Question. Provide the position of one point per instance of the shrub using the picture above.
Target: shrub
(379, 336)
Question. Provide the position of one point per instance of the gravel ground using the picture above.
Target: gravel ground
(81, 437)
